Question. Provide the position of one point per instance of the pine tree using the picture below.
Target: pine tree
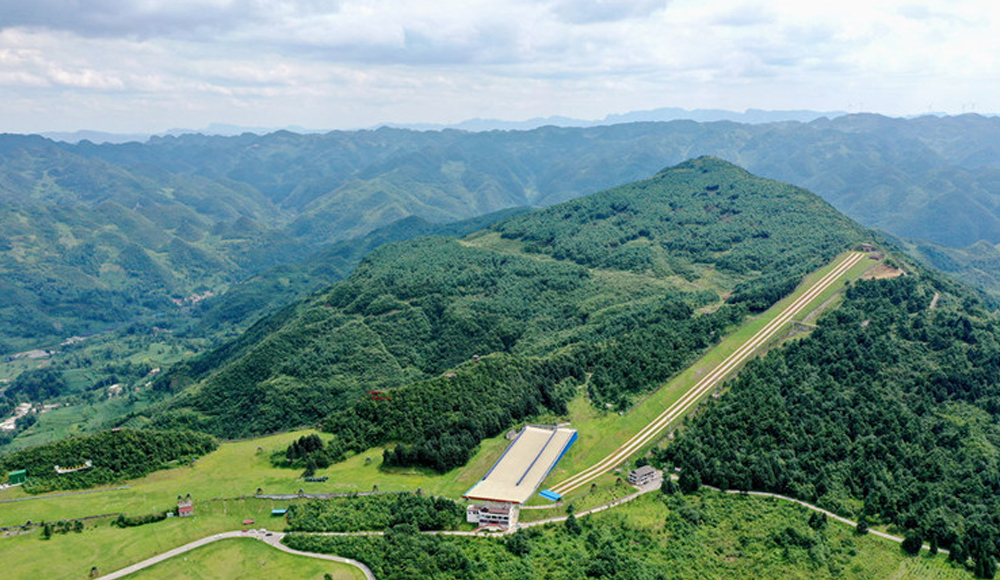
(519, 544)
(817, 521)
(989, 567)
(862, 528)
(957, 553)
(912, 542)
(690, 480)
(573, 526)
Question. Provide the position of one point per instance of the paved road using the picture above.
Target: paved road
(710, 380)
(274, 540)
(653, 485)
(814, 508)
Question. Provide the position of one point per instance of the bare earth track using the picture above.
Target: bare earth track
(710, 380)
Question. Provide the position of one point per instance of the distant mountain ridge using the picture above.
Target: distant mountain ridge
(661, 114)
(112, 232)
(750, 116)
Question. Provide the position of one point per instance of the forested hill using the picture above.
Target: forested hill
(610, 284)
(245, 302)
(887, 413)
(96, 235)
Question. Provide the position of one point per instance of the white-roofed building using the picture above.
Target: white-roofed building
(524, 465)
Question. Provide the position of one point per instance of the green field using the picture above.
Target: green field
(244, 558)
(238, 469)
(110, 548)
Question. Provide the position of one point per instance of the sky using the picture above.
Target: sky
(152, 65)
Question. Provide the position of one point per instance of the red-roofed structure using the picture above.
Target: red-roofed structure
(185, 507)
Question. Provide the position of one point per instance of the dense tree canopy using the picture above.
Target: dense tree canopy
(115, 456)
(543, 298)
(888, 410)
(374, 513)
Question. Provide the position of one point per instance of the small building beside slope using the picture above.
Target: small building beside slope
(502, 514)
(642, 475)
(185, 506)
(17, 477)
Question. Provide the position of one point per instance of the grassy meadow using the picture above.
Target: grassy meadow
(244, 558)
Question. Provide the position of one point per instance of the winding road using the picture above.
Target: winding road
(710, 380)
(275, 538)
(272, 538)
(642, 438)
(814, 508)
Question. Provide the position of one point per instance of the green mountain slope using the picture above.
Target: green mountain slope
(245, 302)
(78, 374)
(205, 212)
(608, 285)
(887, 412)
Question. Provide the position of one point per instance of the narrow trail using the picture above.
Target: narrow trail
(710, 380)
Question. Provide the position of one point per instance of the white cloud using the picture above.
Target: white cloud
(104, 63)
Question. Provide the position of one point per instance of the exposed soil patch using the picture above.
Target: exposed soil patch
(883, 272)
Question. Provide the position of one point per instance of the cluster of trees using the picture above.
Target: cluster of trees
(115, 456)
(401, 554)
(61, 527)
(439, 422)
(124, 521)
(35, 385)
(642, 349)
(309, 452)
(758, 294)
(887, 411)
(375, 512)
(652, 538)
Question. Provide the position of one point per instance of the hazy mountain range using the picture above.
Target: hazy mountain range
(95, 234)
(751, 116)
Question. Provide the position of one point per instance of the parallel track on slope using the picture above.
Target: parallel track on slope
(710, 380)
